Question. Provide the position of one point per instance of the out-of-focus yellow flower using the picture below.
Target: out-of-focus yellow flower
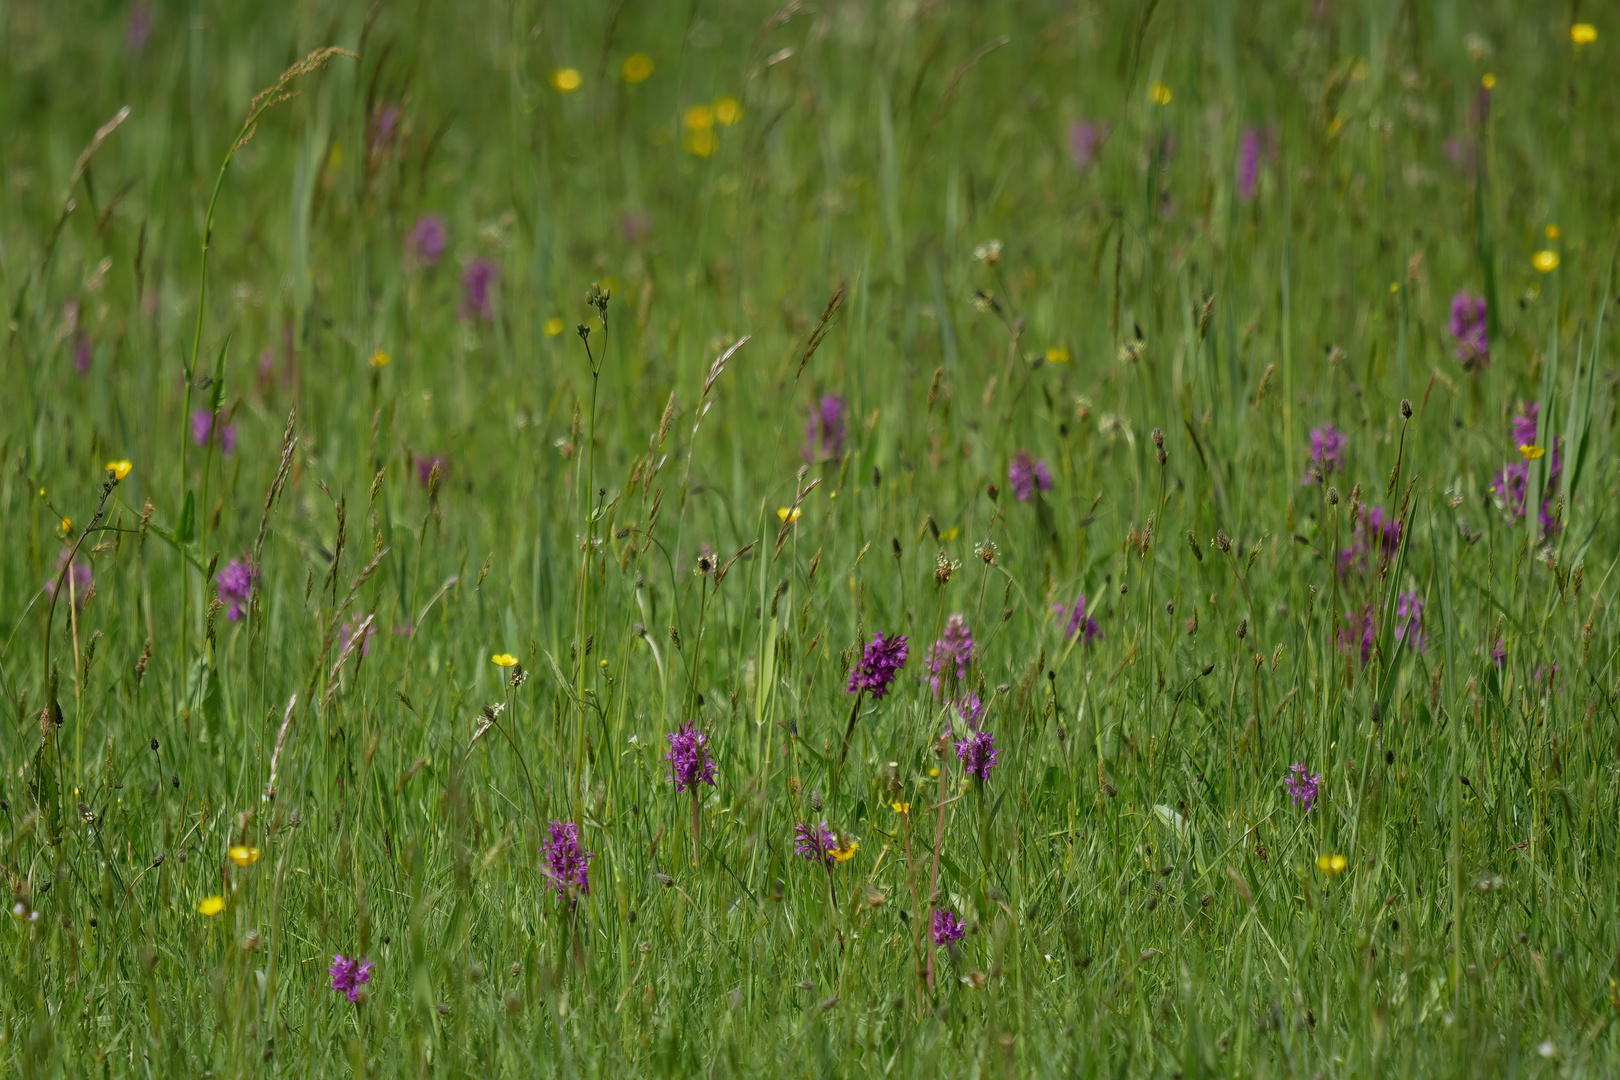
(555, 326)
(566, 80)
(788, 514)
(243, 856)
(504, 659)
(1583, 33)
(698, 118)
(1545, 261)
(951, 533)
(211, 906)
(847, 846)
(1160, 93)
(700, 143)
(1553, 232)
(1331, 864)
(934, 771)
(1488, 81)
(379, 359)
(727, 110)
(636, 68)
(1531, 452)
(119, 469)
(1057, 354)
(900, 807)
(66, 527)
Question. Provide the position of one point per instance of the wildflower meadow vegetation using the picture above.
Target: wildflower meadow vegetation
(836, 539)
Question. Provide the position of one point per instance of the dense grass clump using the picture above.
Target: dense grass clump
(856, 539)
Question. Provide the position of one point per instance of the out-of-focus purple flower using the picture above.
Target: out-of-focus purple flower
(1327, 453)
(236, 583)
(349, 975)
(351, 628)
(970, 709)
(954, 648)
(1302, 786)
(478, 284)
(978, 753)
(567, 864)
(636, 226)
(1524, 425)
(880, 662)
(824, 434)
(426, 464)
(1377, 535)
(426, 241)
(138, 28)
(80, 581)
(384, 126)
(82, 353)
(202, 426)
(1511, 484)
(947, 927)
(1499, 653)
(1085, 140)
(1469, 327)
(1026, 475)
(1248, 164)
(815, 843)
(1079, 621)
(688, 757)
(1409, 616)
(1460, 153)
(1511, 488)
(1360, 629)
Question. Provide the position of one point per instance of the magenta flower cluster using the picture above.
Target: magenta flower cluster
(478, 284)
(1377, 536)
(688, 757)
(426, 240)
(349, 975)
(978, 753)
(825, 432)
(815, 843)
(1511, 485)
(880, 662)
(202, 427)
(947, 927)
(1079, 621)
(1409, 621)
(1468, 327)
(567, 865)
(1327, 453)
(1026, 475)
(236, 583)
(1302, 786)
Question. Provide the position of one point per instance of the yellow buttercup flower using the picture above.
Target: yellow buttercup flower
(951, 533)
(243, 856)
(1545, 261)
(66, 526)
(1160, 93)
(566, 80)
(698, 118)
(900, 807)
(788, 514)
(1488, 81)
(211, 906)
(1530, 452)
(636, 68)
(847, 846)
(701, 143)
(119, 469)
(1553, 232)
(1583, 33)
(1331, 864)
(1057, 354)
(555, 326)
(727, 110)
(379, 359)
(504, 659)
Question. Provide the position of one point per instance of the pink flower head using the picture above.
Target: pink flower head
(426, 241)
(236, 583)
(815, 843)
(1085, 140)
(824, 434)
(1468, 326)
(978, 754)
(567, 864)
(1026, 475)
(947, 927)
(478, 284)
(349, 975)
(688, 757)
(1079, 622)
(880, 662)
(1302, 786)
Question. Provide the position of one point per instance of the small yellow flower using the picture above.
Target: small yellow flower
(504, 659)
(1583, 33)
(66, 526)
(1331, 864)
(1057, 354)
(900, 807)
(1160, 93)
(1553, 232)
(1530, 452)
(1488, 81)
(698, 118)
(243, 856)
(934, 771)
(788, 514)
(847, 846)
(119, 469)
(951, 533)
(727, 110)
(211, 906)
(636, 68)
(566, 80)
(701, 143)
(1545, 261)
(379, 359)
(555, 326)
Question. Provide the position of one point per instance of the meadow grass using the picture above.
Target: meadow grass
(459, 459)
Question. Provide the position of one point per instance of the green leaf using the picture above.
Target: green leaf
(186, 530)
